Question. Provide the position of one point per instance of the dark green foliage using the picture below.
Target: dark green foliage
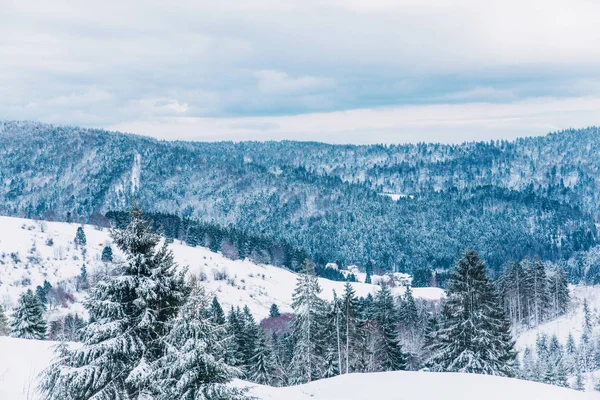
(475, 335)
(422, 277)
(388, 353)
(80, 239)
(107, 254)
(216, 313)
(274, 311)
(28, 319)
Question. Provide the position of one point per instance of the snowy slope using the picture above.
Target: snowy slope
(26, 260)
(572, 322)
(21, 361)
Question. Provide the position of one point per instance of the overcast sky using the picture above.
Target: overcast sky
(340, 71)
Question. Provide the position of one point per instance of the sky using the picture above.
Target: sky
(337, 71)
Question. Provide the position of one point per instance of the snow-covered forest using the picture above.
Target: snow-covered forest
(161, 270)
(308, 337)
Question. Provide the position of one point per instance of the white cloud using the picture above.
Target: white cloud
(112, 62)
(447, 123)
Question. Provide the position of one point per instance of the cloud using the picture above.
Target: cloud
(119, 63)
(446, 123)
(277, 82)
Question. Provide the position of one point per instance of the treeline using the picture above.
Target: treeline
(533, 293)
(233, 243)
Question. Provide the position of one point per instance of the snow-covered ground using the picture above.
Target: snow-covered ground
(407, 385)
(21, 361)
(31, 251)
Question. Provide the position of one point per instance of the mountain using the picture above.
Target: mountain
(27, 358)
(402, 207)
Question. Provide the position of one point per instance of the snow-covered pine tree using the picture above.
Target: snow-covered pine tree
(130, 314)
(332, 338)
(369, 271)
(107, 254)
(308, 356)
(80, 239)
(235, 331)
(587, 318)
(194, 367)
(274, 311)
(262, 368)
(410, 329)
(389, 355)
(28, 319)
(512, 285)
(248, 339)
(579, 384)
(475, 334)
(216, 312)
(353, 329)
(570, 354)
(537, 288)
(559, 291)
(4, 326)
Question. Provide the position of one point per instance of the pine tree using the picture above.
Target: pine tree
(4, 326)
(217, 315)
(274, 311)
(579, 384)
(193, 367)
(537, 287)
(28, 319)
(389, 355)
(369, 271)
(107, 254)
(262, 364)
(80, 239)
(248, 339)
(353, 329)
(129, 314)
(475, 335)
(587, 318)
(308, 355)
(559, 289)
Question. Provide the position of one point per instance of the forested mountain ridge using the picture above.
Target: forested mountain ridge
(509, 200)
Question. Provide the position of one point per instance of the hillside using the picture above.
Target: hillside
(22, 360)
(503, 199)
(32, 251)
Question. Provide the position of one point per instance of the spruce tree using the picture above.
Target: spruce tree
(262, 364)
(129, 315)
(475, 334)
(248, 339)
(4, 326)
(537, 288)
(274, 311)
(388, 352)
(107, 254)
(80, 239)
(28, 319)
(308, 354)
(216, 312)
(194, 367)
(559, 290)
(353, 330)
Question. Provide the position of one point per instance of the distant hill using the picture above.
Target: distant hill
(401, 207)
